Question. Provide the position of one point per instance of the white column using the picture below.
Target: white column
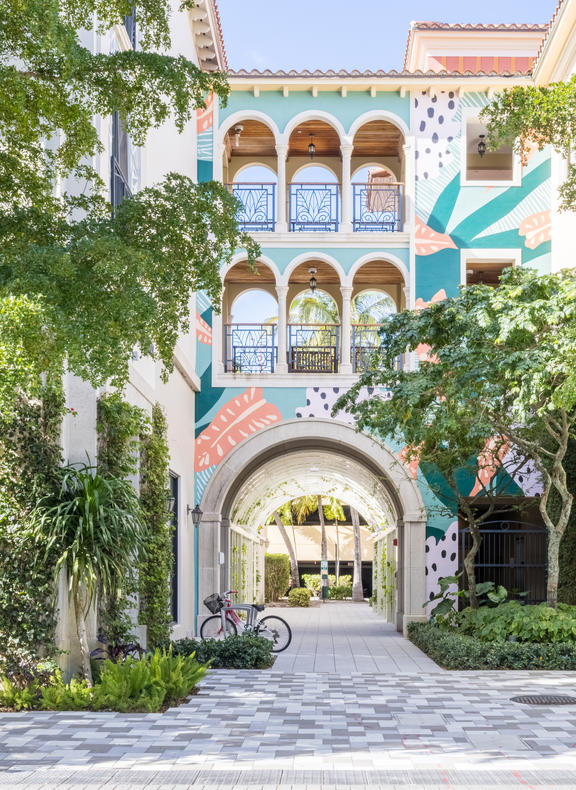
(346, 329)
(409, 184)
(217, 162)
(218, 328)
(346, 218)
(414, 572)
(282, 294)
(281, 222)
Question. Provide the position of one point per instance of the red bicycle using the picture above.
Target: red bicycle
(226, 622)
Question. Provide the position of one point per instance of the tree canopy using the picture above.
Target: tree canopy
(78, 285)
(526, 116)
(501, 372)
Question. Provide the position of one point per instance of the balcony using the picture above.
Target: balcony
(377, 208)
(314, 207)
(250, 348)
(313, 348)
(258, 211)
(366, 339)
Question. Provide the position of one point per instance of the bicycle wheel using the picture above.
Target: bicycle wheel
(276, 629)
(212, 628)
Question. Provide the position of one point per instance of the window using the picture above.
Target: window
(119, 189)
(483, 165)
(486, 266)
(174, 493)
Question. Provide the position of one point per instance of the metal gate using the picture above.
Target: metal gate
(512, 553)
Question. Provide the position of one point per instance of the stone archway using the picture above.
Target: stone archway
(374, 469)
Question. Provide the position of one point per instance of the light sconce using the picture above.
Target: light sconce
(196, 513)
(311, 147)
(313, 282)
(237, 132)
(481, 145)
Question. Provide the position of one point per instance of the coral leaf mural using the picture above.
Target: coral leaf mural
(537, 228)
(203, 330)
(439, 296)
(411, 460)
(489, 462)
(428, 241)
(205, 116)
(235, 421)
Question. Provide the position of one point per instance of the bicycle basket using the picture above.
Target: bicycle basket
(213, 603)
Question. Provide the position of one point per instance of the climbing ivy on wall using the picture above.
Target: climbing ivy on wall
(30, 458)
(155, 570)
(120, 426)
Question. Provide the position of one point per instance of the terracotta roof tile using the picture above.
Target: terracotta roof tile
(550, 26)
(220, 34)
(267, 73)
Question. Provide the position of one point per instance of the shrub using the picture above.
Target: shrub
(453, 650)
(341, 592)
(276, 575)
(314, 581)
(76, 695)
(535, 624)
(18, 697)
(246, 651)
(299, 596)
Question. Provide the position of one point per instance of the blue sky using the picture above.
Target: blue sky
(333, 34)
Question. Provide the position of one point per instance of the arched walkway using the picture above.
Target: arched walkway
(315, 456)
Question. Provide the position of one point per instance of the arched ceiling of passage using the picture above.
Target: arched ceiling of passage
(325, 275)
(243, 273)
(309, 472)
(378, 273)
(255, 140)
(326, 140)
(378, 139)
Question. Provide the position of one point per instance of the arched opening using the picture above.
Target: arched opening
(378, 165)
(315, 303)
(377, 293)
(323, 457)
(250, 172)
(250, 313)
(314, 200)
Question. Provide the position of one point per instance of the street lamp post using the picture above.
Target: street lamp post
(196, 513)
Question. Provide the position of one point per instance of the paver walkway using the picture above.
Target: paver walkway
(283, 729)
(346, 637)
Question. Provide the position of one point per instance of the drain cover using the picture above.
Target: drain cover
(545, 699)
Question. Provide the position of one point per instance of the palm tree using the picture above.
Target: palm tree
(335, 512)
(283, 515)
(314, 308)
(372, 307)
(357, 586)
(96, 531)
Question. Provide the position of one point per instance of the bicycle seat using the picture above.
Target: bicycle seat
(259, 607)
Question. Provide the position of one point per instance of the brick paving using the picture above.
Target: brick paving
(295, 728)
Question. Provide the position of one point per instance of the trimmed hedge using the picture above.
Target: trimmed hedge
(299, 596)
(246, 651)
(455, 651)
(340, 592)
(276, 575)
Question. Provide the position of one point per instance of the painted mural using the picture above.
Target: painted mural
(450, 217)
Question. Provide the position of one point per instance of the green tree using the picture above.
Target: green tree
(283, 518)
(77, 284)
(95, 531)
(314, 308)
(537, 115)
(505, 368)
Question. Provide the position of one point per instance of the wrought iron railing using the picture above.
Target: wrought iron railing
(313, 348)
(377, 207)
(314, 207)
(119, 189)
(250, 348)
(513, 554)
(258, 211)
(366, 339)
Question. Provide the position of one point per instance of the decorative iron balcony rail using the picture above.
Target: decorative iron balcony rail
(258, 211)
(313, 348)
(250, 348)
(314, 207)
(377, 207)
(366, 339)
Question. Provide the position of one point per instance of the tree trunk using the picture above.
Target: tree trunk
(79, 601)
(553, 568)
(323, 543)
(337, 563)
(470, 564)
(294, 574)
(357, 586)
